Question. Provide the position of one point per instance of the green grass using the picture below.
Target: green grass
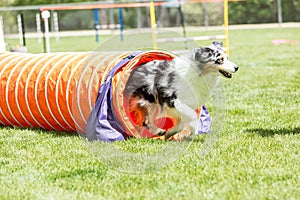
(257, 155)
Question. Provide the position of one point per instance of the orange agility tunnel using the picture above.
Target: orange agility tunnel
(36, 90)
(57, 91)
(81, 92)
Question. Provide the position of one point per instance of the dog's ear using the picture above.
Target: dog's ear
(217, 44)
(164, 65)
(198, 52)
(203, 53)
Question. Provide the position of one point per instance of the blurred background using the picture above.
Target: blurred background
(196, 14)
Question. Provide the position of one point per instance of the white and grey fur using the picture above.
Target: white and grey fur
(176, 88)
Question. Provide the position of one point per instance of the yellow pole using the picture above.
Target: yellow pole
(153, 24)
(226, 26)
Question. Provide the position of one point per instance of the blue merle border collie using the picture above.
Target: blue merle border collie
(177, 88)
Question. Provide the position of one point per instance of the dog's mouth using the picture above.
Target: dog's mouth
(225, 74)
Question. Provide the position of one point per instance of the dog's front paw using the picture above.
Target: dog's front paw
(160, 132)
(182, 135)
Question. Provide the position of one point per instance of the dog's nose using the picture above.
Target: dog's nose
(236, 68)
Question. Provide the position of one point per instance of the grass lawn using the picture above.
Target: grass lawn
(256, 156)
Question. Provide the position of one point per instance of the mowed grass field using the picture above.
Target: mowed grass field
(256, 156)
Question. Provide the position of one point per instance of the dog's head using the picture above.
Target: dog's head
(213, 59)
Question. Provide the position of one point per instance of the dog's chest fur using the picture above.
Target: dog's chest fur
(192, 85)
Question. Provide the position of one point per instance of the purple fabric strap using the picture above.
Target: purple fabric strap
(205, 121)
(102, 124)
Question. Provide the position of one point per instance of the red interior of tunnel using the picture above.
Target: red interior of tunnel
(163, 122)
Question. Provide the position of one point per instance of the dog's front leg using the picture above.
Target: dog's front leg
(194, 126)
(183, 115)
(188, 115)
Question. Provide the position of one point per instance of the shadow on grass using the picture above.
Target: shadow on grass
(41, 131)
(271, 132)
(61, 133)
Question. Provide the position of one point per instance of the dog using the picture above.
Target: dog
(176, 88)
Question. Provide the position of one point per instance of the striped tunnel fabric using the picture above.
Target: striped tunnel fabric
(54, 91)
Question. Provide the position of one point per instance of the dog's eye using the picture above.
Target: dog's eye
(205, 54)
(220, 61)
